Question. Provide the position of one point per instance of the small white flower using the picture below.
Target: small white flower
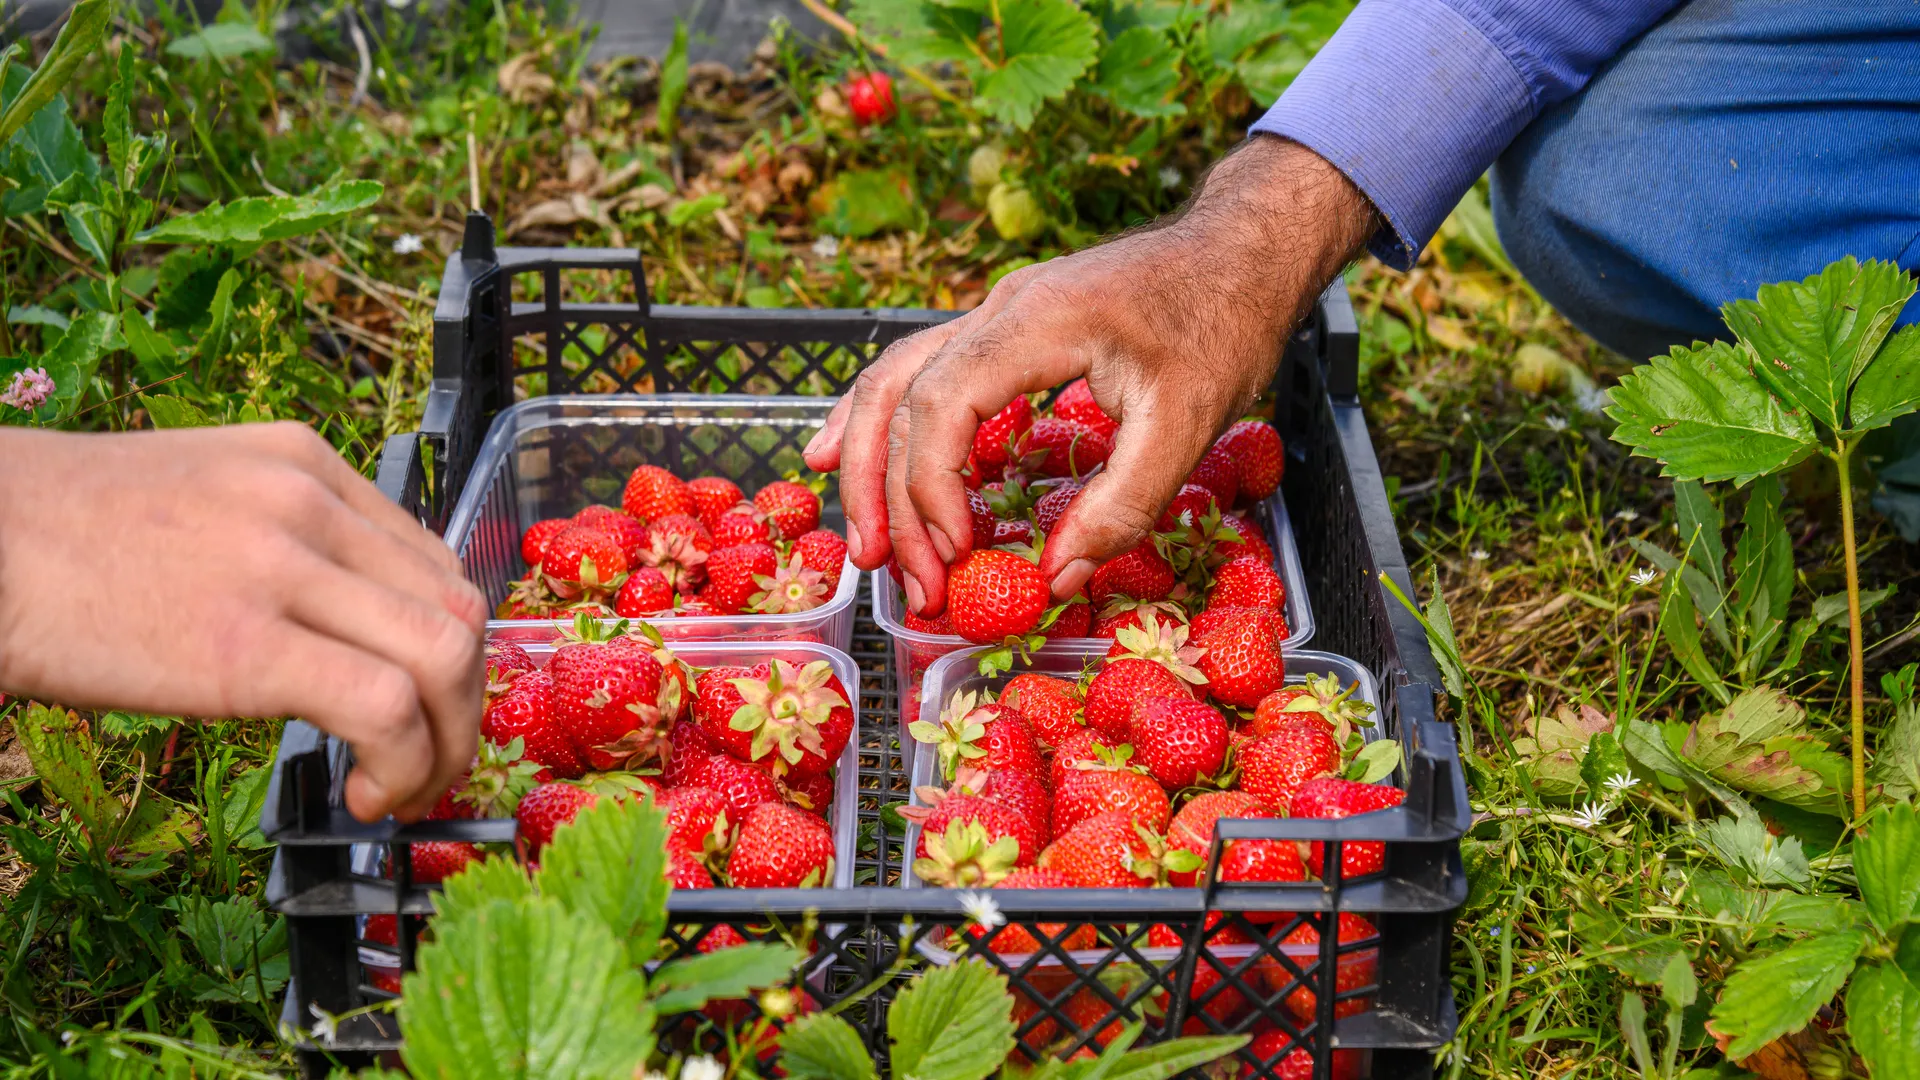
(1592, 815)
(981, 910)
(1643, 576)
(651, 1075)
(66, 1038)
(703, 1067)
(407, 244)
(1592, 400)
(827, 246)
(1628, 515)
(1556, 423)
(1169, 176)
(285, 123)
(324, 1025)
(1620, 783)
(1479, 555)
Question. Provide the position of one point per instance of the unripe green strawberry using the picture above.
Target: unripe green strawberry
(1016, 213)
(984, 165)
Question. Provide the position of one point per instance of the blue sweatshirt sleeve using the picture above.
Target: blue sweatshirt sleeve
(1414, 99)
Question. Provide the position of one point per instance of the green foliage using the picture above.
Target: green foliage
(822, 1046)
(1760, 744)
(1704, 416)
(862, 202)
(86, 24)
(220, 41)
(64, 758)
(1883, 1018)
(953, 1023)
(264, 219)
(1779, 993)
(673, 82)
(611, 864)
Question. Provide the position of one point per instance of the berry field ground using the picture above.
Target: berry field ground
(1622, 918)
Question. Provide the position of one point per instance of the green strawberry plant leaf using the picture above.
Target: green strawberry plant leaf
(524, 988)
(1779, 993)
(1604, 759)
(481, 884)
(221, 41)
(611, 864)
(733, 972)
(1886, 859)
(262, 219)
(861, 202)
(78, 41)
(1780, 910)
(1139, 70)
(1703, 416)
(1883, 1019)
(1375, 762)
(1890, 387)
(1122, 1061)
(1896, 758)
(64, 756)
(1701, 522)
(1744, 845)
(953, 1023)
(236, 942)
(821, 1046)
(1555, 747)
(1762, 573)
(1034, 54)
(1760, 743)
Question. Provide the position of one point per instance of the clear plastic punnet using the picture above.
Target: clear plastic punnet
(551, 456)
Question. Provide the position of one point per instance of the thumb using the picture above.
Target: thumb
(1151, 458)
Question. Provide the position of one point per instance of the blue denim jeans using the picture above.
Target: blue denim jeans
(1735, 143)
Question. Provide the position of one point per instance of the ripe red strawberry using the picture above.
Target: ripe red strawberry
(744, 524)
(1189, 505)
(870, 98)
(732, 574)
(653, 492)
(791, 507)
(813, 794)
(1105, 851)
(1023, 793)
(1210, 995)
(697, 822)
(1051, 705)
(781, 847)
(987, 735)
(1355, 970)
(1065, 448)
(1332, 797)
(1192, 828)
(1076, 403)
(792, 719)
(1252, 542)
(1139, 574)
(582, 559)
(715, 700)
(991, 438)
(1082, 744)
(435, 861)
(524, 710)
(742, 785)
(1262, 862)
(1241, 658)
(1012, 532)
(1275, 766)
(983, 520)
(1322, 697)
(687, 760)
(1282, 1060)
(994, 595)
(625, 531)
(1125, 613)
(613, 698)
(683, 873)
(1018, 938)
(1218, 473)
(1052, 506)
(1120, 687)
(996, 819)
(677, 546)
(1273, 713)
(1247, 582)
(823, 551)
(712, 497)
(1110, 784)
(940, 624)
(1259, 456)
(546, 808)
(1163, 936)
(646, 592)
(1179, 740)
(533, 542)
(1074, 621)
(505, 660)
(966, 854)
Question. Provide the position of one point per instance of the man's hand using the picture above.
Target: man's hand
(240, 571)
(1177, 329)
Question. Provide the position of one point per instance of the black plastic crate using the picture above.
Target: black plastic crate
(485, 343)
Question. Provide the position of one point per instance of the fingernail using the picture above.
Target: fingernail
(941, 545)
(916, 596)
(1072, 578)
(853, 544)
(813, 444)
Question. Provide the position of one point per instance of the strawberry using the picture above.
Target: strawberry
(732, 574)
(1023, 793)
(1052, 506)
(1018, 938)
(940, 624)
(1247, 582)
(810, 793)
(1273, 767)
(1259, 458)
(823, 551)
(449, 807)
(435, 861)
(1162, 640)
(959, 804)
(791, 588)
(1123, 684)
(1282, 1060)
(1241, 658)
(712, 497)
(1192, 828)
(1007, 533)
(625, 531)
(1275, 710)
(612, 697)
(967, 853)
(1139, 574)
(1051, 705)
(505, 661)
(1355, 970)
(653, 492)
(646, 592)
(580, 560)
(715, 700)
(744, 524)
(1065, 448)
(547, 807)
(1211, 995)
(1179, 740)
(780, 847)
(1082, 744)
(1189, 505)
(1076, 403)
(1075, 621)
(790, 506)
(1163, 936)
(678, 546)
(528, 598)
(1218, 473)
(994, 595)
(683, 873)
(983, 520)
(870, 98)
(500, 777)
(697, 823)
(1251, 540)
(991, 439)
(796, 720)
(987, 735)
(1122, 612)
(1213, 618)
(1108, 784)
(1105, 851)
(533, 542)
(1263, 862)
(1332, 797)
(742, 785)
(524, 710)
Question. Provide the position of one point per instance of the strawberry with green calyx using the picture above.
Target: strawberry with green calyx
(939, 808)
(1139, 573)
(1121, 686)
(1011, 499)
(547, 807)
(791, 588)
(625, 531)
(999, 598)
(1051, 705)
(1163, 641)
(698, 829)
(781, 847)
(1319, 695)
(733, 575)
(792, 505)
(1064, 448)
(583, 563)
(1110, 851)
(790, 715)
(1123, 611)
(1084, 744)
(1193, 826)
(982, 733)
(824, 551)
(612, 695)
(678, 546)
(1180, 741)
(1190, 504)
(999, 436)
(501, 776)
(965, 856)
(1109, 783)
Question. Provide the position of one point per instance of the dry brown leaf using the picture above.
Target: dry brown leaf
(583, 166)
(618, 179)
(1449, 333)
(795, 177)
(829, 102)
(568, 211)
(522, 80)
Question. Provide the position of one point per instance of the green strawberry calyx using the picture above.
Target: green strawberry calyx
(1165, 643)
(786, 710)
(957, 736)
(966, 857)
(789, 589)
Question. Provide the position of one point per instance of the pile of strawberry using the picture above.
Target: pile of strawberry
(693, 547)
(1206, 550)
(740, 758)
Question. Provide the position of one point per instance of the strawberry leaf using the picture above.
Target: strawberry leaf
(1777, 994)
(1883, 1019)
(734, 972)
(1703, 415)
(952, 1023)
(821, 1046)
(611, 865)
(1890, 387)
(1375, 761)
(1761, 743)
(1139, 70)
(1886, 858)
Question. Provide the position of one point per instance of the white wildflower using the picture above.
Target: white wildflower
(827, 247)
(1619, 784)
(703, 1067)
(1169, 176)
(1556, 424)
(285, 123)
(981, 910)
(325, 1025)
(407, 244)
(29, 389)
(1479, 555)
(1591, 400)
(1592, 815)
(1628, 515)
(1643, 576)
(67, 1037)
